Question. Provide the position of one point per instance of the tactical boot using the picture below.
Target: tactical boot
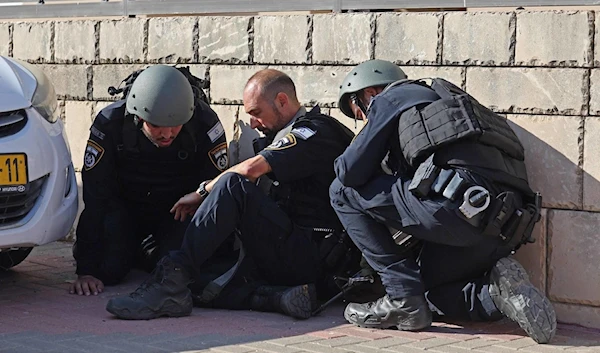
(298, 302)
(165, 293)
(520, 301)
(407, 314)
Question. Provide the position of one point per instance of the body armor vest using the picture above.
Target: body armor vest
(462, 133)
(456, 116)
(158, 177)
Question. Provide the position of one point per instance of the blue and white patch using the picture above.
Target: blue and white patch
(93, 154)
(215, 132)
(303, 132)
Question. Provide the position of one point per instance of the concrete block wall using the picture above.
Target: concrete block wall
(540, 69)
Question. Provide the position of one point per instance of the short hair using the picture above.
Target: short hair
(270, 82)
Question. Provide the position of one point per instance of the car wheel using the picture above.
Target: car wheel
(12, 257)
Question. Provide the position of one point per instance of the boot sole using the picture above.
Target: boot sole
(298, 301)
(415, 322)
(522, 302)
(148, 314)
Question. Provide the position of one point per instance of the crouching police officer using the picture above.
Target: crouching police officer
(143, 154)
(458, 185)
(278, 233)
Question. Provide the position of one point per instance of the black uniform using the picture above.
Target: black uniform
(276, 231)
(451, 268)
(130, 185)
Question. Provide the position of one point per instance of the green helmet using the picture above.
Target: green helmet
(162, 96)
(368, 74)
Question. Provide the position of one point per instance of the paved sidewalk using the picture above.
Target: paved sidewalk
(38, 315)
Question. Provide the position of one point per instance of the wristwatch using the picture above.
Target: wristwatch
(202, 189)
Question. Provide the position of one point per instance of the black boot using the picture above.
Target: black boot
(408, 314)
(298, 302)
(165, 293)
(520, 301)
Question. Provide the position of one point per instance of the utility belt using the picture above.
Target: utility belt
(506, 215)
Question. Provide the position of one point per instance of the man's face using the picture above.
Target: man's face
(161, 136)
(265, 116)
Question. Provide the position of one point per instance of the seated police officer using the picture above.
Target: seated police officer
(465, 198)
(277, 232)
(143, 154)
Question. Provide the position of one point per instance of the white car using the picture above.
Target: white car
(38, 189)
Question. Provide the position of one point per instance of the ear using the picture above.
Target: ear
(281, 99)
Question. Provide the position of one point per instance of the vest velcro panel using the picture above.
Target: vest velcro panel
(455, 116)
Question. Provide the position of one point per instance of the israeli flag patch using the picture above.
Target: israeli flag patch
(303, 132)
(215, 132)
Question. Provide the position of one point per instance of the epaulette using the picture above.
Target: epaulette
(113, 112)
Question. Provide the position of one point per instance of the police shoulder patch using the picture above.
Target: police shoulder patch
(218, 156)
(286, 141)
(93, 155)
(303, 132)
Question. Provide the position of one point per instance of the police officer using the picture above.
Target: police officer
(440, 199)
(143, 154)
(277, 232)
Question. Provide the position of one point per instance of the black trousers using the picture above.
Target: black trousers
(124, 230)
(452, 267)
(280, 252)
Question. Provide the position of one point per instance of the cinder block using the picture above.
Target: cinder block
(551, 155)
(574, 249)
(4, 38)
(524, 90)
(122, 41)
(407, 38)
(591, 164)
(75, 42)
(227, 82)
(554, 38)
(281, 39)
(31, 41)
(578, 314)
(223, 39)
(70, 81)
(342, 39)
(317, 84)
(477, 38)
(452, 74)
(170, 39)
(533, 256)
(597, 39)
(78, 120)
(595, 92)
(105, 76)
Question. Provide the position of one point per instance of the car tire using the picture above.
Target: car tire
(13, 257)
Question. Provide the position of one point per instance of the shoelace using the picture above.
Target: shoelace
(157, 277)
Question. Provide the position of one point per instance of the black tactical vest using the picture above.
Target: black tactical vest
(462, 132)
(157, 177)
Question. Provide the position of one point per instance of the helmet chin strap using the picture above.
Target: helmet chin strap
(355, 100)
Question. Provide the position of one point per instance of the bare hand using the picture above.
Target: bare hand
(86, 285)
(187, 205)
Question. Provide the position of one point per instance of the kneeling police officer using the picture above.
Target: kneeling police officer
(143, 154)
(458, 192)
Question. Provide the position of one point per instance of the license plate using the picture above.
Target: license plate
(13, 169)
